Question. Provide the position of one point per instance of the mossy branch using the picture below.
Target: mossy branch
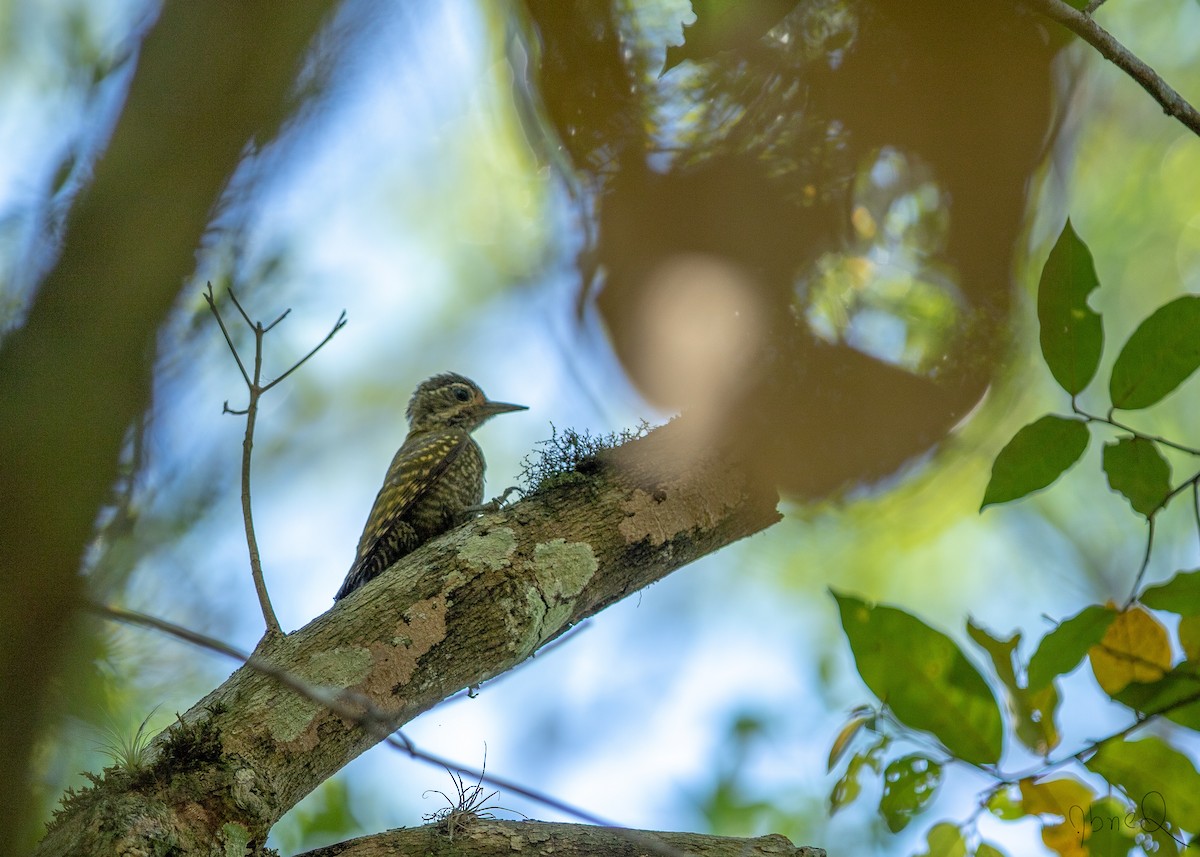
(456, 612)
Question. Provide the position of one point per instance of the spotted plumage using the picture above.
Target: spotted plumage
(435, 476)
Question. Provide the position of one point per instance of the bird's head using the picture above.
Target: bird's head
(450, 400)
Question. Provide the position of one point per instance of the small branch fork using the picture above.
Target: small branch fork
(1192, 483)
(1082, 25)
(256, 388)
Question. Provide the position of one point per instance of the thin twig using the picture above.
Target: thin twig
(256, 572)
(284, 315)
(238, 304)
(212, 305)
(338, 325)
(1196, 504)
(1109, 421)
(1082, 25)
(255, 389)
(1179, 489)
(1145, 564)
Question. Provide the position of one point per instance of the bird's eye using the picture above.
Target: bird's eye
(462, 394)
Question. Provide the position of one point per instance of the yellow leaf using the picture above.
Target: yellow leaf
(1134, 648)
(1055, 797)
(842, 741)
(1066, 840)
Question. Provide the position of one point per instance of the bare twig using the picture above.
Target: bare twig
(338, 325)
(339, 702)
(1133, 594)
(1082, 25)
(212, 305)
(256, 388)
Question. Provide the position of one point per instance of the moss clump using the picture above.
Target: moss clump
(189, 746)
(570, 456)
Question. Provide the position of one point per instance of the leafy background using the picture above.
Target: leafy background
(410, 196)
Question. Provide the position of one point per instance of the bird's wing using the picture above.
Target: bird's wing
(415, 468)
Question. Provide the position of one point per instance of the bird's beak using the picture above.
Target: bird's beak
(490, 409)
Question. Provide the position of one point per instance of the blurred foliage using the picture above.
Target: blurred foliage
(733, 805)
(924, 680)
(324, 817)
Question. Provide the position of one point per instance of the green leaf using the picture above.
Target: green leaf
(1033, 712)
(924, 678)
(909, 783)
(1189, 637)
(1037, 455)
(1175, 696)
(987, 849)
(1180, 594)
(1000, 651)
(1138, 471)
(1004, 805)
(1152, 772)
(847, 789)
(1159, 356)
(1151, 819)
(1112, 826)
(1062, 649)
(1071, 333)
(944, 840)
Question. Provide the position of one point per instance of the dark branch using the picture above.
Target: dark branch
(1082, 25)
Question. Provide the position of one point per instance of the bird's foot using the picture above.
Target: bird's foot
(495, 504)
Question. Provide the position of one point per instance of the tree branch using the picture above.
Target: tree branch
(350, 706)
(1082, 25)
(458, 611)
(484, 837)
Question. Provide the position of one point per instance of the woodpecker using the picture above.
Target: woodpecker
(435, 477)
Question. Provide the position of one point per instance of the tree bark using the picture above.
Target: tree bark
(458, 611)
(484, 837)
